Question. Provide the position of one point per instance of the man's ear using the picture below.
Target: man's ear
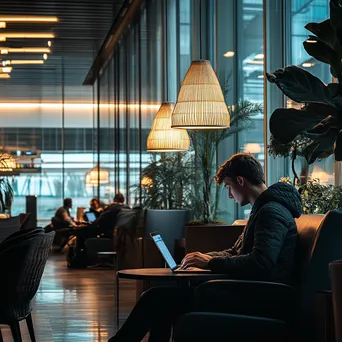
(240, 180)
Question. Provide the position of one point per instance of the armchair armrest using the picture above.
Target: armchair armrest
(208, 327)
(254, 298)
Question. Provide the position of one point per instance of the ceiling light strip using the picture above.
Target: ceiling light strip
(26, 18)
(5, 35)
(22, 61)
(6, 50)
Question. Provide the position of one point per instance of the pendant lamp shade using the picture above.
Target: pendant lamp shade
(97, 176)
(163, 138)
(7, 163)
(200, 103)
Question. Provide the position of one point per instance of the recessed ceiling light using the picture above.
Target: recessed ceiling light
(6, 50)
(308, 65)
(49, 43)
(312, 41)
(6, 69)
(5, 35)
(31, 18)
(45, 56)
(259, 56)
(229, 54)
(22, 61)
(254, 62)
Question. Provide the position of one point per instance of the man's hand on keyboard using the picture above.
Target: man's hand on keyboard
(196, 259)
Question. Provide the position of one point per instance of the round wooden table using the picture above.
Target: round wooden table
(183, 278)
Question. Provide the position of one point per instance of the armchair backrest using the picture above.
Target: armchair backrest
(22, 259)
(319, 243)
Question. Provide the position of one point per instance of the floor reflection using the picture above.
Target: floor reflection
(75, 305)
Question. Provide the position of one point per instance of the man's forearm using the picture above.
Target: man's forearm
(225, 253)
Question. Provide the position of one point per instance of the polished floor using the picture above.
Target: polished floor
(75, 305)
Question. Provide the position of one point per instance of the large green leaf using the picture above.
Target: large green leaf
(324, 31)
(322, 147)
(301, 86)
(330, 122)
(325, 53)
(287, 124)
(338, 147)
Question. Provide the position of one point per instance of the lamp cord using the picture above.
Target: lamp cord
(167, 56)
(200, 29)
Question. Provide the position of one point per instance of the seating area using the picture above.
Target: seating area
(170, 170)
(269, 311)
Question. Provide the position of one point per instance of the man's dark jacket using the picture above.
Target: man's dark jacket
(266, 248)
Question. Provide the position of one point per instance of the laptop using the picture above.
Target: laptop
(170, 260)
(90, 216)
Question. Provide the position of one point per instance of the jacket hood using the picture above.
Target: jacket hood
(283, 193)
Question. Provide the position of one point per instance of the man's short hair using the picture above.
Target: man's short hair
(119, 198)
(67, 202)
(243, 165)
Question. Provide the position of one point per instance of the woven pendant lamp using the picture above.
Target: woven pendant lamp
(200, 103)
(93, 177)
(162, 137)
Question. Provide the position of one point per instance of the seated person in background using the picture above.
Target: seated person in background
(63, 223)
(264, 251)
(94, 207)
(62, 218)
(119, 199)
(105, 223)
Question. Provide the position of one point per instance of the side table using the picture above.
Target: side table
(166, 274)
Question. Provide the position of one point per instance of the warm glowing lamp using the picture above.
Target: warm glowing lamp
(200, 103)
(162, 137)
(7, 163)
(322, 176)
(146, 182)
(97, 176)
(252, 148)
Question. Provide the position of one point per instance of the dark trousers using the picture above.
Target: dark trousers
(156, 311)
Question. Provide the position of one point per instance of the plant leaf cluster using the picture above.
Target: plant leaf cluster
(319, 121)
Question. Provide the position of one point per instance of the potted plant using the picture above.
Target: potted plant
(318, 198)
(6, 190)
(166, 183)
(315, 130)
(165, 188)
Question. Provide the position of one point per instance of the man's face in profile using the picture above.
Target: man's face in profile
(236, 190)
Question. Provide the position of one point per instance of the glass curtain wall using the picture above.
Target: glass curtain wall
(249, 79)
(242, 39)
(56, 122)
(300, 13)
(131, 91)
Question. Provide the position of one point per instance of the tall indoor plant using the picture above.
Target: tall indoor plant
(315, 130)
(165, 188)
(205, 143)
(166, 183)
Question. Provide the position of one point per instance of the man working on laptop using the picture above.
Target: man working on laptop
(264, 251)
